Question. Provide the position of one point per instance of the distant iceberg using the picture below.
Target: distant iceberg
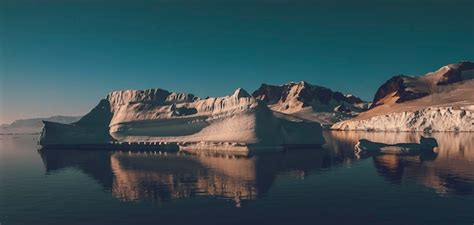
(238, 122)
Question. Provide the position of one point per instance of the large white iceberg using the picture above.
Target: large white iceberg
(238, 122)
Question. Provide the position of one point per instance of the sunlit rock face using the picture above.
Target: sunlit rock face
(454, 73)
(438, 101)
(450, 170)
(398, 86)
(310, 102)
(238, 121)
(405, 88)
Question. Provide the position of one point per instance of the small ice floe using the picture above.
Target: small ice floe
(365, 146)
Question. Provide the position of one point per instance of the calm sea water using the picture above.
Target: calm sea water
(314, 186)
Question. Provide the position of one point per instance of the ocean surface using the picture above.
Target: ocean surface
(330, 185)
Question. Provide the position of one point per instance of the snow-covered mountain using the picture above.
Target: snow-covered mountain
(238, 122)
(438, 101)
(33, 125)
(310, 102)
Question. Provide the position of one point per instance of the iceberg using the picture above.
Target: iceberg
(365, 146)
(156, 117)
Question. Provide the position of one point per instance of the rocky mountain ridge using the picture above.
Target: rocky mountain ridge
(310, 102)
(442, 100)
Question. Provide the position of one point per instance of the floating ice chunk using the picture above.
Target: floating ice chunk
(365, 146)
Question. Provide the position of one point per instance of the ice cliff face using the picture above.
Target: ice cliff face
(433, 119)
(438, 101)
(157, 115)
(310, 102)
(91, 128)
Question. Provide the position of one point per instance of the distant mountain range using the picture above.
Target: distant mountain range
(33, 125)
(437, 101)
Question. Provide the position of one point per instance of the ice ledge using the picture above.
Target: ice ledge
(221, 148)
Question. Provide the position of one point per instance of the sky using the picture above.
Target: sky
(60, 57)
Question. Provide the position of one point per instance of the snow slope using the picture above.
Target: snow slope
(310, 102)
(238, 122)
(439, 101)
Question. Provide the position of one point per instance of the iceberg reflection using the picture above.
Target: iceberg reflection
(158, 177)
(449, 170)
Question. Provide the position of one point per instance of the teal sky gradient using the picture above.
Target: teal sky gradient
(62, 56)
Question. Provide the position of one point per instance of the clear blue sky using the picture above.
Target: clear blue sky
(62, 56)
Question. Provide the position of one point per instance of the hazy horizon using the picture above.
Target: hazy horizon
(61, 58)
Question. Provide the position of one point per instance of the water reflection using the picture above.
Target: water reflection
(449, 170)
(159, 177)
